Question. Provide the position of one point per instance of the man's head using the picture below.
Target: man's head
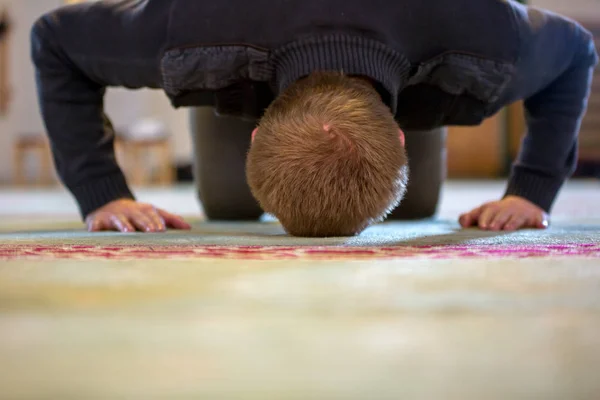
(328, 157)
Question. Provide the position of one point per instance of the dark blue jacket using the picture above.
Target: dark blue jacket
(436, 63)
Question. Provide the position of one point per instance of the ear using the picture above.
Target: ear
(401, 136)
(254, 132)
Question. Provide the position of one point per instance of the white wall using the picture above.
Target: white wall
(20, 79)
(577, 9)
(5, 132)
(123, 106)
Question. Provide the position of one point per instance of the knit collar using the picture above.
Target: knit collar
(352, 55)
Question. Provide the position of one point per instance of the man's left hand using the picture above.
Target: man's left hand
(509, 214)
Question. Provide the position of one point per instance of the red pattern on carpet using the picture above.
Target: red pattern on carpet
(49, 252)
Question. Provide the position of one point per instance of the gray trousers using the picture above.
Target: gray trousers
(221, 145)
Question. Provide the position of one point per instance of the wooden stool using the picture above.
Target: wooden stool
(37, 145)
(139, 155)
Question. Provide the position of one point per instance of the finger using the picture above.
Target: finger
(142, 222)
(487, 216)
(96, 224)
(542, 221)
(501, 219)
(92, 224)
(157, 220)
(469, 219)
(465, 220)
(516, 221)
(121, 223)
(173, 221)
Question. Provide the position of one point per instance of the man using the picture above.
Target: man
(333, 92)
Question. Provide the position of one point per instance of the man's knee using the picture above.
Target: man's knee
(232, 209)
(413, 209)
(427, 162)
(219, 167)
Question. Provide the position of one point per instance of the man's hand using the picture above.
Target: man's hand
(508, 214)
(127, 215)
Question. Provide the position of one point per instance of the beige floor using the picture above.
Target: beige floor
(493, 327)
(457, 196)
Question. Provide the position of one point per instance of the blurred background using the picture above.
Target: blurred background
(148, 124)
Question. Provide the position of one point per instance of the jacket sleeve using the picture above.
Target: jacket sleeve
(71, 103)
(556, 64)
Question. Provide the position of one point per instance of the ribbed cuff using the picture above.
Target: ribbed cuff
(100, 192)
(354, 55)
(540, 190)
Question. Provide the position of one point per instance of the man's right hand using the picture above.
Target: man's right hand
(126, 215)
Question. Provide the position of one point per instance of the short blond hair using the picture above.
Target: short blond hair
(328, 160)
